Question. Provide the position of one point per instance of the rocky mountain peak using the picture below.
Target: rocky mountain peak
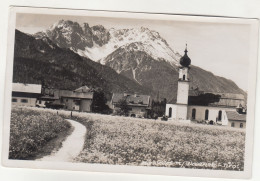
(101, 36)
(97, 42)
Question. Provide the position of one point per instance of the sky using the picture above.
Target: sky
(222, 48)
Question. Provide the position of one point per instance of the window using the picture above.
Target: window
(193, 115)
(170, 112)
(207, 114)
(77, 102)
(40, 101)
(14, 100)
(232, 124)
(24, 100)
(183, 77)
(241, 125)
(220, 115)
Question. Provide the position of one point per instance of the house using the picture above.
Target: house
(25, 94)
(77, 100)
(48, 96)
(236, 120)
(138, 105)
(196, 105)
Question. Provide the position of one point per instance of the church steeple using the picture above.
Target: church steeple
(186, 51)
(183, 82)
(185, 60)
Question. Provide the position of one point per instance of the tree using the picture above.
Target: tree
(123, 108)
(99, 102)
(157, 108)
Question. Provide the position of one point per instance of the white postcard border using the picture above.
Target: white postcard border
(254, 23)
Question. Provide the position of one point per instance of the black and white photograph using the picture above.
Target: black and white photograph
(130, 92)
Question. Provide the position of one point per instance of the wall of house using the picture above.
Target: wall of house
(213, 113)
(24, 101)
(85, 105)
(236, 124)
(70, 104)
(138, 111)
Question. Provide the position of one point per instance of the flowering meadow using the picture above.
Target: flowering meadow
(122, 140)
(133, 141)
(31, 129)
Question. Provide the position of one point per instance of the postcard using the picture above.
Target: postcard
(129, 92)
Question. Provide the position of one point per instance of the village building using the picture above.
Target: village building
(138, 105)
(77, 100)
(35, 96)
(25, 94)
(212, 107)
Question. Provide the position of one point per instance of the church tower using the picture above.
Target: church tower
(179, 110)
(183, 87)
(183, 81)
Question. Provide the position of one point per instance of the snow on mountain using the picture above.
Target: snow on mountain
(148, 41)
(96, 42)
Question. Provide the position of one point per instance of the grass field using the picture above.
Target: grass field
(31, 131)
(132, 141)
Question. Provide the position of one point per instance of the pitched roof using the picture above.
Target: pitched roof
(131, 99)
(83, 89)
(229, 95)
(27, 88)
(72, 94)
(215, 99)
(56, 94)
(235, 116)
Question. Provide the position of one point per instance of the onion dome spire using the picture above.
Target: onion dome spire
(185, 60)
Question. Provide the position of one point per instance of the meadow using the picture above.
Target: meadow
(142, 142)
(122, 140)
(31, 130)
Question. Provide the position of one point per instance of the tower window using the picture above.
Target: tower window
(170, 112)
(184, 77)
(220, 115)
(207, 114)
(193, 115)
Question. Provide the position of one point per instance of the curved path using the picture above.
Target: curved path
(72, 146)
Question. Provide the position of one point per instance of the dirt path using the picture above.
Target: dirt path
(71, 147)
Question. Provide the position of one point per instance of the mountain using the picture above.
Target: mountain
(134, 63)
(37, 60)
(139, 54)
(96, 42)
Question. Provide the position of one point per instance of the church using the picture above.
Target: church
(204, 106)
